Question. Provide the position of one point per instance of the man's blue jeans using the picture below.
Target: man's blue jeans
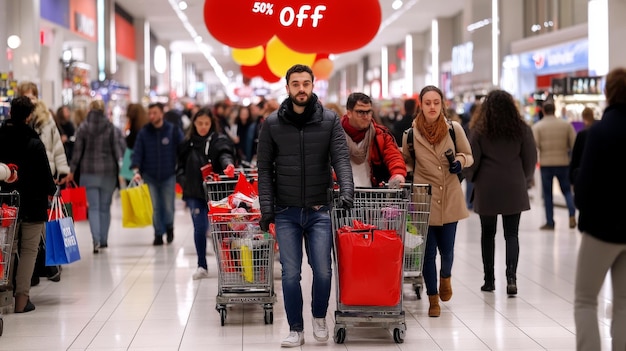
(199, 216)
(293, 224)
(163, 197)
(441, 238)
(99, 189)
(562, 174)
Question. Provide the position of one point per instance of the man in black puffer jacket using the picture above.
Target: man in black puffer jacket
(298, 145)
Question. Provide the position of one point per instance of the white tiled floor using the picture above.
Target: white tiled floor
(133, 296)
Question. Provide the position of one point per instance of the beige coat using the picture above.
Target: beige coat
(432, 167)
(555, 139)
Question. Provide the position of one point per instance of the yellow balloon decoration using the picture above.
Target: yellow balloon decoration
(248, 57)
(322, 68)
(280, 58)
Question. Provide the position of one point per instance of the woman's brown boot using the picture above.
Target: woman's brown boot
(23, 304)
(434, 310)
(445, 289)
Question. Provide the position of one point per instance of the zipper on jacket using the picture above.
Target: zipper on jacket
(302, 172)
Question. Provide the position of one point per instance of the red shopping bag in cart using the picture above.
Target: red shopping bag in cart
(370, 266)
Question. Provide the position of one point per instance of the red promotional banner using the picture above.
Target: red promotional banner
(305, 26)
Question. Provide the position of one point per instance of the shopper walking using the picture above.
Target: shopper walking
(20, 145)
(555, 139)
(203, 145)
(154, 161)
(43, 123)
(431, 140)
(599, 192)
(97, 158)
(374, 154)
(298, 145)
(505, 156)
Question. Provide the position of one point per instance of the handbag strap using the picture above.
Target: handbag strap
(57, 207)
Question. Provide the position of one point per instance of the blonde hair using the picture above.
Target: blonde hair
(97, 105)
(23, 87)
(79, 116)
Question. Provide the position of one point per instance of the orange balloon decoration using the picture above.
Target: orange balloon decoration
(248, 57)
(322, 68)
(280, 58)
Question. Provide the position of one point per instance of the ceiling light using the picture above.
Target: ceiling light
(182, 5)
(14, 41)
(396, 4)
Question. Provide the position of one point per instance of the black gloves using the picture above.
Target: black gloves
(455, 167)
(346, 202)
(265, 221)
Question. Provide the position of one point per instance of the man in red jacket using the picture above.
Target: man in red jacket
(374, 154)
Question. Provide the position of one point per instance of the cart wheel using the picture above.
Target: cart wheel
(398, 336)
(1, 326)
(418, 292)
(222, 316)
(269, 316)
(340, 336)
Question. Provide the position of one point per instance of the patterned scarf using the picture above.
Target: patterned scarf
(433, 133)
(358, 153)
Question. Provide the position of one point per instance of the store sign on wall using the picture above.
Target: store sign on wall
(462, 58)
(562, 58)
(84, 24)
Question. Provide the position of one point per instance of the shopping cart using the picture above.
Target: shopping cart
(218, 189)
(415, 237)
(386, 209)
(9, 207)
(245, 263)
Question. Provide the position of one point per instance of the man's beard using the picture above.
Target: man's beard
(303, 103)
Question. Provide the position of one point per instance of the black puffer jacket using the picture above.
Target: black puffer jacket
(295, 161)
(196, 152)
(20, 145)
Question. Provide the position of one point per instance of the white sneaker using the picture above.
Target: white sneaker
(294, 339)
(200, 273)
(320, 331)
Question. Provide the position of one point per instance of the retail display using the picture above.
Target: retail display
(7, 91)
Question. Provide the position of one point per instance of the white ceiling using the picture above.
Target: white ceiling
(414, 17)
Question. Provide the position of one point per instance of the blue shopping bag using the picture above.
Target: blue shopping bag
(61, 241)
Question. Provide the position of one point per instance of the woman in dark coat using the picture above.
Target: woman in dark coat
(505, 156)
(204, 144)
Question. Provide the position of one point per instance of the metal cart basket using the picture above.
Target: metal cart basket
(386, 209)
(9, 207)
(415, 238)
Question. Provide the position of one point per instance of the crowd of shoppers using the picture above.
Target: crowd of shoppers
(497, 151)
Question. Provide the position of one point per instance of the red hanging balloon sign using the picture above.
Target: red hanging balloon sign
(304, 26)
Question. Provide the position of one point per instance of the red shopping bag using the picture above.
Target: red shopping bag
(370, 266)
(77, 196)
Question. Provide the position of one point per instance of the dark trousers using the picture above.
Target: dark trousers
(488, 229)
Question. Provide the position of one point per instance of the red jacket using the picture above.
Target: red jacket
(384, 151)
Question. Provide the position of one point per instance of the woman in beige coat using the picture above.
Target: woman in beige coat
(432, 137)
